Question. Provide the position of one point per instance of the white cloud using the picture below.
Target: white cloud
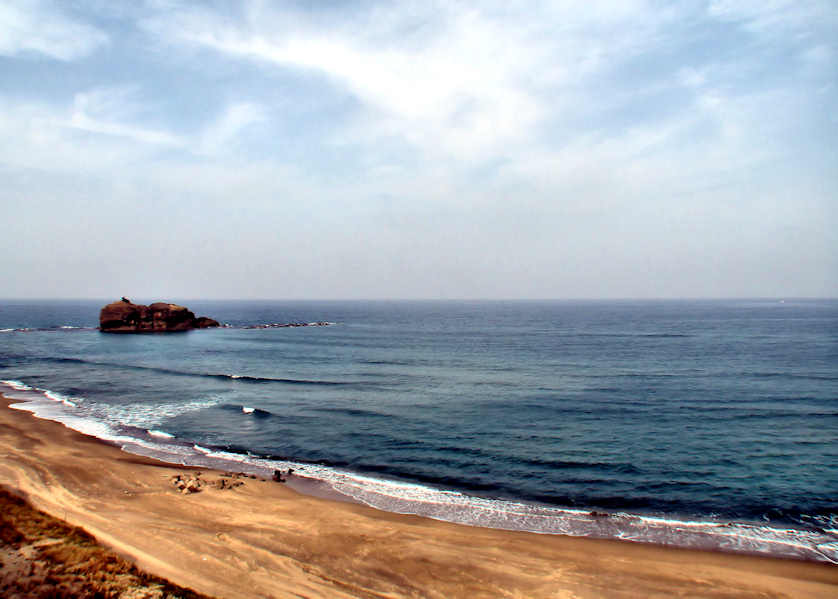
(103, 110)
(33, 26)
(469, 84)
(43, 140)
(437, 149)
(80, 120)
(460, 91)
(219, 134)
(787, 20)
(105, 128)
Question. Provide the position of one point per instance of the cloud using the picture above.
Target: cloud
(108, 127)
(40, 27)
(100, 111)
(458, 89)
(444, 78)
(437, 149)
(236, 118)
(777, 17)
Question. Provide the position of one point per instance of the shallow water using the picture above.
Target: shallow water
(710, 424)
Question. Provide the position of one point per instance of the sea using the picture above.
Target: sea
(704, 424)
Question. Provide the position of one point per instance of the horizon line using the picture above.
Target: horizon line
(778, 298)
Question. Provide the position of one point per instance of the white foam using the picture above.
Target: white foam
(6, 330)
(67, 401)
(453, 506)
(58, 412)
(247, 410)
(151, 415)
(18, 385)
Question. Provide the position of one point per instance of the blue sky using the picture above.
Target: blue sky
(171, 149)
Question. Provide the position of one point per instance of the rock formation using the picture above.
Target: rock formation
(125, 316)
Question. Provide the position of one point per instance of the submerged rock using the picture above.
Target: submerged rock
(125, 316)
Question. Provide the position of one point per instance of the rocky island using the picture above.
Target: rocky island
(125, 316)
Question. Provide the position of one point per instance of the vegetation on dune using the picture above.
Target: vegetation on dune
(43, 557)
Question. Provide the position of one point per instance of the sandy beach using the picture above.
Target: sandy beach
(263, 539)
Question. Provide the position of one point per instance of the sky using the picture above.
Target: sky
(351, 150)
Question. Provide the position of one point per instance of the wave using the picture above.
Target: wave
(273, 325)
(244, 378)
(256, 412)
(48, 394)
(262, 379)
(354, 412)
(818, 542)
(17, 385)
(387, 362)
(129, 416)
(633, 335)
(144, 416)
(621, 468)
(51, 405)
(66, 400)
(57, 328)
(790, 375)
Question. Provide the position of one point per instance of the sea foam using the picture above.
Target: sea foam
(17, 385)
(454, 506)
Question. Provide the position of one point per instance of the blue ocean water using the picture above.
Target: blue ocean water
(694, 423)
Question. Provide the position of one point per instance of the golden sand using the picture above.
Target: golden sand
(262, 539)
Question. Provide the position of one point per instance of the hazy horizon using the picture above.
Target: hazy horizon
(146, 300)
(434, 150)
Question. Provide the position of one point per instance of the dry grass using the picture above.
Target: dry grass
(45, 558)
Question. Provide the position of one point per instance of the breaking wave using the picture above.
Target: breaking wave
(817, 542)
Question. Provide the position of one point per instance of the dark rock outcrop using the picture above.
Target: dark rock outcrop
(125, 316)
(202, 322)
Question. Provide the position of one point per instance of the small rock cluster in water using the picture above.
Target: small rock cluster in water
(283, 325)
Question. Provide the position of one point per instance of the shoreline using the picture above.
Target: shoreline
(397, 497)
(264, 539)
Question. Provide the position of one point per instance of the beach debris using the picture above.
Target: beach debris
(223, 483)
(187, 484)
(279, 475)
(229, 480)
(193, 483)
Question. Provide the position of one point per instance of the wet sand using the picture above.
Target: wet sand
(263, 539)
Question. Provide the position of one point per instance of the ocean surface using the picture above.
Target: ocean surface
(708, 424)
